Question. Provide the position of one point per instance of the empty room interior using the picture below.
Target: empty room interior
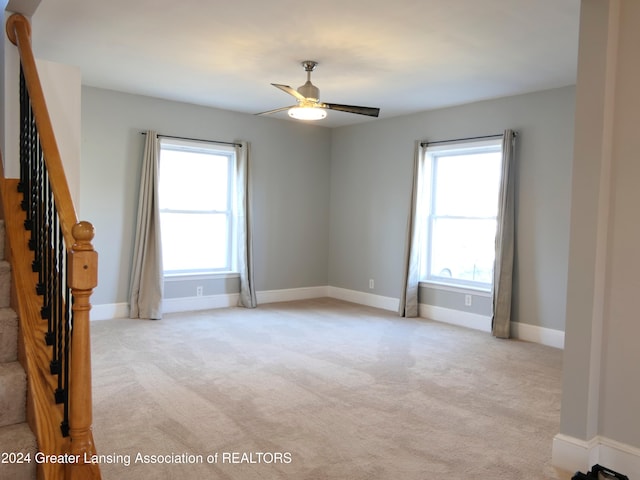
(431, 277)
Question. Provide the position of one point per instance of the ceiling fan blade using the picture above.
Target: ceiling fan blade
(276, 110)
(370, 111)
(290, 91)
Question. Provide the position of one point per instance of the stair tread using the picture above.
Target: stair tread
(18, 439)
(15, 435)
(8, 335)
(7, 312)
(13, 401)
(5, 283)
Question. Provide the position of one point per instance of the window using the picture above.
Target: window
(196, 191)
(462, 194)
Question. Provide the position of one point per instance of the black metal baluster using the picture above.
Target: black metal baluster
(48, 269)
(37, 211)
(54, 309)
(40, 263)
(24, 128)
(32, 190)
(68, 330)
(60, 315)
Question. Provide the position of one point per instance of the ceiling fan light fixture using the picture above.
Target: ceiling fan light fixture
(307, 113)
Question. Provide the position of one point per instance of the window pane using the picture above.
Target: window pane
(193, 180)
(467, 185)
(194, 241)
(463, 249)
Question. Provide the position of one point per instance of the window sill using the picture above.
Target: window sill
(180, 277)
(481, 292)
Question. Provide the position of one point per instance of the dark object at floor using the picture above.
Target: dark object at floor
(598, 472)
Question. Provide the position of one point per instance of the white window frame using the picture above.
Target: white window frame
(433, 155)
(197, 146)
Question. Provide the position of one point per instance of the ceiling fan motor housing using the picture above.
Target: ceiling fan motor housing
(309, 91)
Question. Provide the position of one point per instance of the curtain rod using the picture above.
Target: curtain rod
(497, 135)
(197, 139)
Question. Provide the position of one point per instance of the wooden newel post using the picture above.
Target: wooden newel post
(83, 278)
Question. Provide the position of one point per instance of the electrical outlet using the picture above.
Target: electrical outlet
(467, 300)
(371, 283)
(199, 291)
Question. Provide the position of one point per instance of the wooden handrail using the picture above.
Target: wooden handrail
(82, 267)
(19, 33)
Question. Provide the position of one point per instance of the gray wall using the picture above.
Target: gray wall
(330, 206)
(371, 168)
(289, 172)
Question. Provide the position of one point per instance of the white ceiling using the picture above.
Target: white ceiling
(402, 56)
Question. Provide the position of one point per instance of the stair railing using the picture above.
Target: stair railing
(64, 263)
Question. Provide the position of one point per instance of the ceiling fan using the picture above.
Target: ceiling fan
(309, 106)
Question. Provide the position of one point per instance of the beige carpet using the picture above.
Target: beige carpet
(320, 389)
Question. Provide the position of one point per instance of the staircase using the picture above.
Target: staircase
(53, 271)
(17, 442)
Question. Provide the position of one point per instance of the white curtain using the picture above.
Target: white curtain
(411, 278)
(147, 283)
(244, 247)
(505, 240)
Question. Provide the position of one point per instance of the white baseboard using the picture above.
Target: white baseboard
(535, 334)
(619, 457)
(291, 294)
(455, 317)
(193, 304)
(208, 302)
(573, 454)
(109, 311)
(363, 298)
(521, 331)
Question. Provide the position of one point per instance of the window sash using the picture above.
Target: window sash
(185, 251)
(468, 268)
